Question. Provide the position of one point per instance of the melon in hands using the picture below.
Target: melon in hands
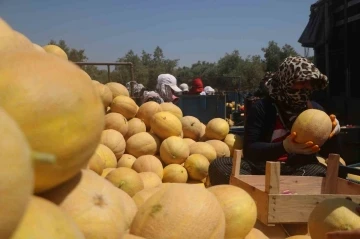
(312, 125)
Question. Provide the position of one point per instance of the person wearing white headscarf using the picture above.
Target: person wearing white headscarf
(209, 90)
(167, 88)
(185, 88)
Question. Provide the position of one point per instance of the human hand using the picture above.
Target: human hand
(353, 234)
(335, 126)
(291, 146)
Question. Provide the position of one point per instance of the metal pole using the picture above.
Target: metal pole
(108, 69)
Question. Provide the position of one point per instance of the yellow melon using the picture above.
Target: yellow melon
(174, 109)
(165, 124)
(17, 176)
(117, 89)
(116, 122)
(56, 50)
(160, 211)
(191, 127)
(150, 179)
(217, 128)
(135, 126)
(104, 92)
(43, 220)
(312, 125)
(148, 163)
(197, 166)
(142, 143)
(321, 160)
(124, 105)
(204, 149)
(174, 150)
(143, 195)
(126, 179)
(69, 117)
(107, 156)
(175, 173)
(129, 236)
(239, 208)
(333, 215)
(256, 234)
(202, 135)
(189, 141)
(95, 204)
(126, 160)
(106, 171)
(115, 141)
(222, 150)
(147, 110)
(96, 164)
(353, 176)
(233, 141)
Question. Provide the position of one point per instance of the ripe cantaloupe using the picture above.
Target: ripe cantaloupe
(273, 232)
(143, 195)
(17, 177)
(148, 163)
(175, 173)
(233, 141)
(106, 171)
(217, 128)
(165, 124)
(115, 141)
(312, 125)
(135, 126)
(150, 179)
(333, 215)
(191, 127)
(96, 164)
(222, 150)
(126, 160)
(202, 134)
(124, 105)
(126, 179)
(117, 89)
(104, 92)
(43, 220)
(65, 108)
(142, 143)
(239, 208)
(197, 166)
(56, 50)
(106, 155)
(256, 234)
(116, 122)
(202, 211)
(146, 112)
(174, 150)
(205, 149)
(129, 236)
(95, 204)
(39, 48)
(189, 141)
(174, 109)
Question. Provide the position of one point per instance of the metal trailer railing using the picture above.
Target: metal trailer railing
(108, 64)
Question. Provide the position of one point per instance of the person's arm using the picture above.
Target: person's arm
(255, 149)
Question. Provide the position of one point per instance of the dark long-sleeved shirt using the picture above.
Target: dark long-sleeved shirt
(259, 127)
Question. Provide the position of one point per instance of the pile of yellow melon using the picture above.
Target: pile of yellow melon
(81, 160)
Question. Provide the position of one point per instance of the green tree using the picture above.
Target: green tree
(274, 55)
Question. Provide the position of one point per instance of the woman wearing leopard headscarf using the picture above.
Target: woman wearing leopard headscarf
(268, 124)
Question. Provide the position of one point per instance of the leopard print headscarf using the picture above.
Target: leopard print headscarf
(292, 102)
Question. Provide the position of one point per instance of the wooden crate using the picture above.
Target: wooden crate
(275, 207)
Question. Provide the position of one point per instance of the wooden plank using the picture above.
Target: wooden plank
(272, 178)
(236, 162)
(330, 184)
(296, 184)
(347, 187)
(297, 208)
(260, 198)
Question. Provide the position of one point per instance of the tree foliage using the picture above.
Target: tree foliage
(232, 71)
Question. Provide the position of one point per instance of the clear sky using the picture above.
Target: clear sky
(184, 29)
